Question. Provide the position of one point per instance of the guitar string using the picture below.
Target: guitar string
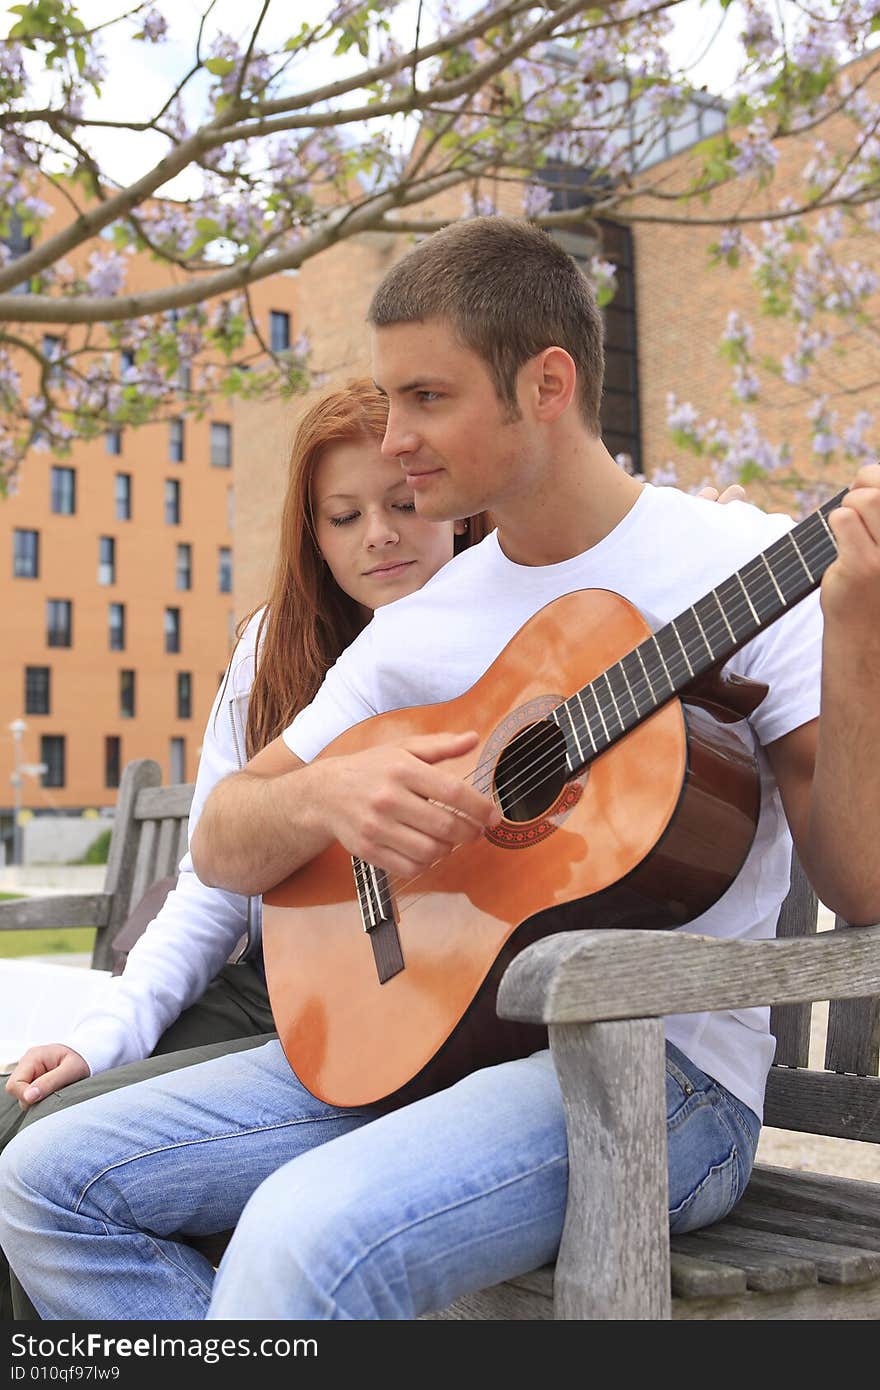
(549, 763)
(540, 770)
(637, 691)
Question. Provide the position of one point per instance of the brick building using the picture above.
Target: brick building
(117, 594)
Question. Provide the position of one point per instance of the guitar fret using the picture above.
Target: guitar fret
(556, 716)
(651, 647)
(586, 723)
(738, 577)
(800, 556)
(674, 656)
(638, 651)
(625, 692)
(672, 625)
(782, 597)
(590, 690)
(720, 606)
(605, 677)
(643, 703)
(702, 632)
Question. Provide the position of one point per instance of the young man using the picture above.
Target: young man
(488, 344)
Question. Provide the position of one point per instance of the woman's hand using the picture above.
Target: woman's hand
(734, 493)
(44, 1069)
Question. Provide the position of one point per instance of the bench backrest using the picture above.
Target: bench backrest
(148, 842)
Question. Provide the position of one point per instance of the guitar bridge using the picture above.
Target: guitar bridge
(377, 915)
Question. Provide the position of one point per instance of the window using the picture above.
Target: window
(221, 445)
(172, 629)
(175, 441)
(279, 330)
(126, 361)
(106, 560)
(177, 760)
(113, 441)
(184, 695)
(52, 351)
(26, 554)
(172, 502)
(112, 760)
(127, 699)
(18, 245)
(184, 566)
(116, 627)
(52, 754)
(122, 494)
(230, 509)
(37, 686)
(59, 623)
(63, 491)
(184, 376)
(224, 573)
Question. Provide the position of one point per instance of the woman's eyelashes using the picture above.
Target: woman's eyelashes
(353, 516)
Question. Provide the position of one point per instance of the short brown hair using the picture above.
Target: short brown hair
(508, 291)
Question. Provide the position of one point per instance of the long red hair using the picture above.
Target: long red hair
(308, 621)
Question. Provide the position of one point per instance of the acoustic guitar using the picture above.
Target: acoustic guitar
(632, 801)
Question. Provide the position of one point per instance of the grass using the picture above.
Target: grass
(49, 942)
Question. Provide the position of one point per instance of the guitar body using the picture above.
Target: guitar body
(650, 833)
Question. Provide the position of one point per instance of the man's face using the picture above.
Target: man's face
(459, 448)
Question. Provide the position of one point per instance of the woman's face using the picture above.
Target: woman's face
(375, 545)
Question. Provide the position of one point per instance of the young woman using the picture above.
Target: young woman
(350, 541)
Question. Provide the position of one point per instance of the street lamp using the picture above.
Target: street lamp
(20, 770)
(16, 728)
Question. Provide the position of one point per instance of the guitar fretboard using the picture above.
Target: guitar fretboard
(707, 633)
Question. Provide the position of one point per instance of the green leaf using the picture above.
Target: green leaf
(220, 67)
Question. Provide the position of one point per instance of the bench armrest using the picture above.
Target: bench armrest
(595, 976)
(56, 910)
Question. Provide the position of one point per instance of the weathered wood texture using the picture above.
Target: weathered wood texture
(799, 1246)
(148, 840)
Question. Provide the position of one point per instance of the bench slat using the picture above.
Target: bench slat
(55, 910)
(155, 803)
(816, 1102)
(763, 1270)
(844, 1199)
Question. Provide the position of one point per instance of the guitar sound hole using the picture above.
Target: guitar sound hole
(531, 772)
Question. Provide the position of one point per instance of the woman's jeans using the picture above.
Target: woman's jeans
(339, 1213)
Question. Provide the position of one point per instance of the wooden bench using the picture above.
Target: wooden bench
(798, 1245)
(148, 840)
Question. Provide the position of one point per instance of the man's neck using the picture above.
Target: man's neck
(581, 501)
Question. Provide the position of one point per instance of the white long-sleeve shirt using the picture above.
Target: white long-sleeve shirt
(197, 928)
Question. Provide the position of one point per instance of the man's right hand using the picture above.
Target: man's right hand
(44, 1069)
(398, 808)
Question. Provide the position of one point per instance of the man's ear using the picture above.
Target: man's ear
(552, 382)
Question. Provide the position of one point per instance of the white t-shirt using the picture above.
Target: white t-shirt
(667, 553)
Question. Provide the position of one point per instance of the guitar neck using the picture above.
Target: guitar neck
(705, 635)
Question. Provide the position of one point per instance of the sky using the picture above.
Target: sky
(148, 70)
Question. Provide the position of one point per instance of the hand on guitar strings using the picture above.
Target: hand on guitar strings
(399, 808)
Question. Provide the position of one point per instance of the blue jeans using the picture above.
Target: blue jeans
(341, 1213)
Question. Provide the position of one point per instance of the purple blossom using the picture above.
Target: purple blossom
(106, 274)
(757, 154)
(603, 274)
(536, 199)
(665, 476)
(681, 415)
(154, 26)
(745, 384)
(479, 205)
(737, 332)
